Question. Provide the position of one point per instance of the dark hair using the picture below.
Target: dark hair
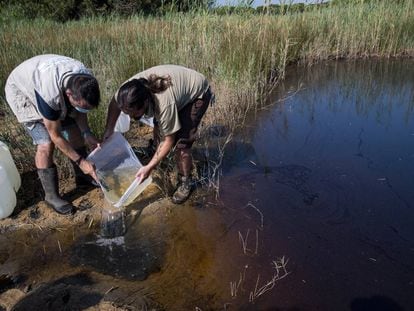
(85, 87)
(136, 92)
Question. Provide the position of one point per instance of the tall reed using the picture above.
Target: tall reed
(242, 55)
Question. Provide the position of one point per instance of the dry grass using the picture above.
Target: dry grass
(242, 55)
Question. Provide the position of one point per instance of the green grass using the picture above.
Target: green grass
(242, 55)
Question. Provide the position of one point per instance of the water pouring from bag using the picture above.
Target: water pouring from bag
(116, 165)
(112, 221)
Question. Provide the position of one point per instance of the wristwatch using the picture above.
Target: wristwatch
(79, 160)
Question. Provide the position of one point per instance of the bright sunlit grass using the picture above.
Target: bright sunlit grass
(242, 55)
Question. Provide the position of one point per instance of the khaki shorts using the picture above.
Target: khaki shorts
(40, 135)
(190, 117)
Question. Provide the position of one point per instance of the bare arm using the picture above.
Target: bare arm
(112, 117)
(54, 129)
(162, 151)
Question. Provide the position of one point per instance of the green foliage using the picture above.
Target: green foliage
(281, 9)
(59, 10)
(65, 10)
(272, 9)
(238, 10)
(242, 54)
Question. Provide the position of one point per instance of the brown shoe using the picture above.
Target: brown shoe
(184, 189)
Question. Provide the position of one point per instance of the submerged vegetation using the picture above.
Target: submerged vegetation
(243, 55)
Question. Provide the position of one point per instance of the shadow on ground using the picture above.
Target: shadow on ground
(67, 293)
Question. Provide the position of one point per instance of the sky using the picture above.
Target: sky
(261, 2)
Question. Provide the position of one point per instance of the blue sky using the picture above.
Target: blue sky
(261, 2)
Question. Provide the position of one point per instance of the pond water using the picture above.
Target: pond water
(331, 168)
(315, 212)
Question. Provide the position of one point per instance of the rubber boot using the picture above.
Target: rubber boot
(82, 180)
(49, 180)
(184, 189)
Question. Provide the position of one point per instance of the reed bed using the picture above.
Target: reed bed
(242, 55)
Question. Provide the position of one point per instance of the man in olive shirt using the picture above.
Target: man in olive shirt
(177, 98)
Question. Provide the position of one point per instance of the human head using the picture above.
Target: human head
(83, 92)
(136, 95)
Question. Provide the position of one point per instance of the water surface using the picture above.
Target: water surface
(331, 168)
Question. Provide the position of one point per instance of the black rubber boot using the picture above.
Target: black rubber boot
(82, 180)
(184, 189)
(49, 180)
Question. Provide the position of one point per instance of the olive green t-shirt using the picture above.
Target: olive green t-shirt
(187, 85)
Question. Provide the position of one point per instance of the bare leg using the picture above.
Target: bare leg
(184, 161)
(44, 156)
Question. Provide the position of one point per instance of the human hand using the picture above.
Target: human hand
(143, 172)
(88, 168)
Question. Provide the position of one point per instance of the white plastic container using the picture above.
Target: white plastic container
(116, 166)
(122, 124)
(7, 194)
(6, 161)
(9, 182)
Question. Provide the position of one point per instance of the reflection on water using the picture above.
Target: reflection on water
(293, 176)
(331, 168)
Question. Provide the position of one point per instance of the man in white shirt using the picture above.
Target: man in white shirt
(51, 95)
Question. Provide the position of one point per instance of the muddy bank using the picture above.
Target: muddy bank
(35, 240)
(42, 253)
(169, 258)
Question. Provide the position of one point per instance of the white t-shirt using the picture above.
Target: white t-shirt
(41, 79)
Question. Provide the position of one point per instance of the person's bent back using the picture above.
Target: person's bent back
(51, 95)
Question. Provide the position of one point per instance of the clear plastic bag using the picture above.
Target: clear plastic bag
(116, 166)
